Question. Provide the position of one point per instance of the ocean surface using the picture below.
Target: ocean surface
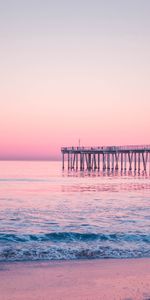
(48, 214)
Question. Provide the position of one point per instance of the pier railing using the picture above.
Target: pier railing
(107, 148)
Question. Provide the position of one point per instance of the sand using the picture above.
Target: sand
(89, 280)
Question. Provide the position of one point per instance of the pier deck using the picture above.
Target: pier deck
(106, 157)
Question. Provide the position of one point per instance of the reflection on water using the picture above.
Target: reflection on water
(46, 213)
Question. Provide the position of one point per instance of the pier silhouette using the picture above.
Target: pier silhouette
(131, 157)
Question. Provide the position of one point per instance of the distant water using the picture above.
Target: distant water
(48, 214)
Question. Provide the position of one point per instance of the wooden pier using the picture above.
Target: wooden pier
(106, 158)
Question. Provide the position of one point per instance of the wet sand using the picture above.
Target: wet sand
(124, 279)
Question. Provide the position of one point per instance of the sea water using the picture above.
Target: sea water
(50, 214)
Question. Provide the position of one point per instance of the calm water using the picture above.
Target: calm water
(46, 214)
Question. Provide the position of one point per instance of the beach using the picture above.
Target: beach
(123, 279)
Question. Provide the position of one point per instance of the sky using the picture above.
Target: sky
(73, 70)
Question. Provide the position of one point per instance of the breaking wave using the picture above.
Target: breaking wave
(72, 245)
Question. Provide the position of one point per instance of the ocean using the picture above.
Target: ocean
(50, 214)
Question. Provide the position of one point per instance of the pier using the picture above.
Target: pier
(106, 158)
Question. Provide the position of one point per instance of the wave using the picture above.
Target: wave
(70, 253)
(73, 237)
(72, 245)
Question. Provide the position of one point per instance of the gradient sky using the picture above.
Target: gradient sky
(73, 69)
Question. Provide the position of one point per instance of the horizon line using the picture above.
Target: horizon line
(29, 159)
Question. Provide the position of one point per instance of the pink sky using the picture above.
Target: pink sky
(73, 71)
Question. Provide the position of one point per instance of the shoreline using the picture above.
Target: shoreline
(83, 279)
